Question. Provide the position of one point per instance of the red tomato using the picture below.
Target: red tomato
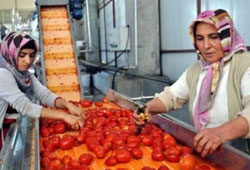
(122, 169)
(51, 130)
(83, 167)
(147, 168)
(45, 162)
(172, 158)
(157, 155)
(45, 132)
(86, 103)
(55, 164)
(163, 167)
(202, 167)
(49, 145)
(136, 153)
(67, 142)
(111, 161)
(86, 159)
(98, 104)
(50, 155)
(100, 151)
(187, 162)
(81, 138)
(55, 140)
(59, 128)
(122, 156)
(74, 164)
(186, 149)
(173, 151)
(66, 159)
(147, 140)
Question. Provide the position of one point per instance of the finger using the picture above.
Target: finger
(197, 138)
(206, 149)
(213, 148)
(81, 123)
(202, 143)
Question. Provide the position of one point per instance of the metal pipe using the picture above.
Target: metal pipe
(136, 34)
(105, 67)
(88, 23)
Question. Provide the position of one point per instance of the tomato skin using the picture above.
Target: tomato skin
(122, 156)
(83, 167)
(186, 149)
(147, 168)
(67, 142)
(45, 162)
(172, 158)
(49, 145)
(147, 140)
(55, 164)
(55, 140)
(157, 155)
(187, 162)
(202, 167)
(98, 104)
(100, 151)
(45, 132)
(86, 159)
(81, 138)
(136, 153)
(74, 164)
(59, 128)
(163, 167)
(66, 159)
(111, 161)
(86, 103)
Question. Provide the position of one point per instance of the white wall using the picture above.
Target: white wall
(17, 4)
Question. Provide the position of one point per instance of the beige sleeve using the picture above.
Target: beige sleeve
(246, 113)
(170, 101)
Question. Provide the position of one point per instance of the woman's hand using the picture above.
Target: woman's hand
(74, 110)
(208, 140)
(140, 117)
(75, 122)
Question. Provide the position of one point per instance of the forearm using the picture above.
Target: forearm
(52, 114)
(235, 128)
(156, 106)
(61, 103)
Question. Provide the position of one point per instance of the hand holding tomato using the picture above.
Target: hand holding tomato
(74, 110)
(74, 121)
(208, 140)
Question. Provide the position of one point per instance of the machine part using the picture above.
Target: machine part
(16, 153)
(58, 52)
(76, 9)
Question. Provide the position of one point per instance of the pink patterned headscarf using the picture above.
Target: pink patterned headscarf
(9, 50)
(232, 43)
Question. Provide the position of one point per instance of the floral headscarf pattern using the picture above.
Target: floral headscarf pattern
(232, 43)
(9, 50)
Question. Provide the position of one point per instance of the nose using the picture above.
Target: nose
(207, 43)
(27, 59)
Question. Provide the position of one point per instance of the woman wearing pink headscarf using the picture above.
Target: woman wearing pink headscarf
(19, 88)
(217, 86)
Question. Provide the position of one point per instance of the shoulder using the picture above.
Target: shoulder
(4, 73)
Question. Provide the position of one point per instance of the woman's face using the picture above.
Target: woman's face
(208, 42)
(25, 59)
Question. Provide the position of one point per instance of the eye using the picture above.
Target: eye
(214, 36)
(32, 55)
(199, 38)
(21, 55)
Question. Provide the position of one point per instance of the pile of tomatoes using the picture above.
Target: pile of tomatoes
(110, 134)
